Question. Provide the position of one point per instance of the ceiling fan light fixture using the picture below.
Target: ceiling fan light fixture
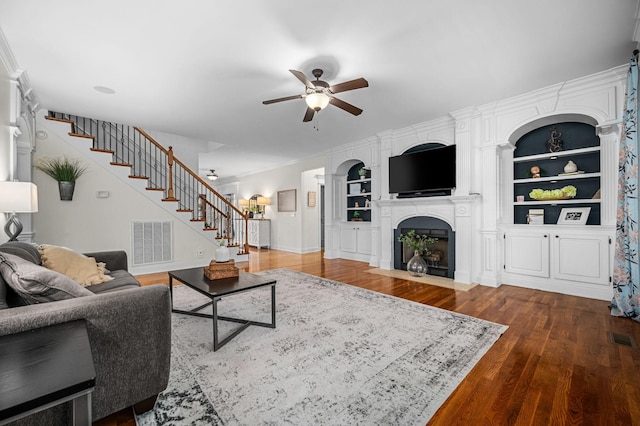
(212, 175)
(317, 101)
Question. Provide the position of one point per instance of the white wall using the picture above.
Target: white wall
(16, 129)
(5, 132)
(485, 136)
(297, 231)
(185, 149)
(88, 223)
(310, 215)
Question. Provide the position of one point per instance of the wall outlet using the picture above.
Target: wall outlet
(200, 252)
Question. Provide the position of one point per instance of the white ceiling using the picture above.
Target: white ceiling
(201, 68)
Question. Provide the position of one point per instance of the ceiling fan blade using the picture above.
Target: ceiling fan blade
(358, 83)
(288, 98)
(303, 78)
(308, 116)
(345, 106)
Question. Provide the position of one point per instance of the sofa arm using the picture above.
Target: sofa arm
(114, 260)
(130, 336)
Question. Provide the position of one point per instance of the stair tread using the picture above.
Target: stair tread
(108, 151)
(79, 135)
(62, 120)
(241, 248)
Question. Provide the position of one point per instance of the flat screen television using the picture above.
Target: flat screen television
(423, 173)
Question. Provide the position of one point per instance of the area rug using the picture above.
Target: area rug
(339, 355)
(427, 279)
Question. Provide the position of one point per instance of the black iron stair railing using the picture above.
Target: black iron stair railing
(132, 147)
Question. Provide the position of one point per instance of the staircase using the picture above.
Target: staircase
(177, 184)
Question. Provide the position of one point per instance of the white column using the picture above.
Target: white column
(464, 240)
(609, 151)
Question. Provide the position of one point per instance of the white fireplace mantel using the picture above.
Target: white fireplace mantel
(455, 210)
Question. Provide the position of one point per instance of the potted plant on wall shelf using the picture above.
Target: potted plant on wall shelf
(363, 173)
(356, 216)
(419, 243)
(64, 170)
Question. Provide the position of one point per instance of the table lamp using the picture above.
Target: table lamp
(262, 202)
(17, 197)
(244, 204)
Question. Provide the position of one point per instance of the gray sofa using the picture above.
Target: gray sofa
(129, 330)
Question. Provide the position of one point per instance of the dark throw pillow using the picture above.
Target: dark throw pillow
(27, 251)
(37, 284)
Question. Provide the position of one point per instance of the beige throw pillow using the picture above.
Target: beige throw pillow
(76, 266)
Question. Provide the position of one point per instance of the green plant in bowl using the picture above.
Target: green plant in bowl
(563, 193)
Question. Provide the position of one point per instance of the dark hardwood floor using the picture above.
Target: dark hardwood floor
(555, 365)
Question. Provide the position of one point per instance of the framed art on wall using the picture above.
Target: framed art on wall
(287, 200)
(574, 216)
(311, 198)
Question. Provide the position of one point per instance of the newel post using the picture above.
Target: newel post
(246, 233)
(170, 193)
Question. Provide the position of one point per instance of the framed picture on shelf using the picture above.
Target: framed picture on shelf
(535, 217)
(574, 215)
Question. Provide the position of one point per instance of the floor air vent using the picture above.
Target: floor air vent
(621, 339)
(152, 242)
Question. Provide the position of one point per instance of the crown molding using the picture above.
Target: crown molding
(13, 68)
(7, 58)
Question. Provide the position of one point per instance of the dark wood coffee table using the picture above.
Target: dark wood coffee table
(217, 289)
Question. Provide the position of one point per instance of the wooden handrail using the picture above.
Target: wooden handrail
(185, 167)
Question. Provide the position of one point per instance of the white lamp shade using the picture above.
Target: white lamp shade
(263, 201)
(18, 197)
(243, 202)
(317, 101)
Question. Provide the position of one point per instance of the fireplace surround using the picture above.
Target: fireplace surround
(453, 213)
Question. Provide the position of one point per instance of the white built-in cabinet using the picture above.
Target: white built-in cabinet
(259, 232)
(558, 259)
(581, 257)
(527, 253)
(355, 240)
(570, 259)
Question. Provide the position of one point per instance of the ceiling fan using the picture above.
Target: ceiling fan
(318, 94)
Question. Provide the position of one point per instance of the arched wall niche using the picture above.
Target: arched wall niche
(448, 219)
(423, 147)
(344, 167)
(552, 119)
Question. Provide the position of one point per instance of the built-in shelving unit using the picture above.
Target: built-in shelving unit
(358, 194)
(581, 145)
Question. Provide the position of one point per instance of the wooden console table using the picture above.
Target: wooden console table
(45, 367)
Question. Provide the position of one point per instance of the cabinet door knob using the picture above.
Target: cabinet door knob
(557, 236)
(545, 235)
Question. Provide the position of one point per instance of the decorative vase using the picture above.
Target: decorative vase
(66, 190)
(570, 167)
(222, 254)
(417, 266)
